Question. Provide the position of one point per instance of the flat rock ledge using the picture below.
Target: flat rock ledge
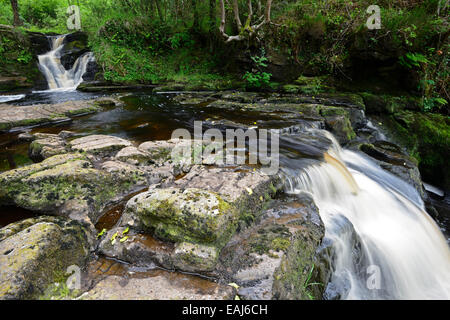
(14, 117)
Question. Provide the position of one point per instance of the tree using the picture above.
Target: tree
(15, 9)
(248, 30)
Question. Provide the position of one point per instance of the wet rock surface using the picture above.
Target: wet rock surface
(115, 281)
(274, 256)
(14, 117)
(68, 185)
(28, 249)
(222, 223)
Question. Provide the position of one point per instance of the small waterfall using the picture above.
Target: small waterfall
(58, 78)
(385, 245)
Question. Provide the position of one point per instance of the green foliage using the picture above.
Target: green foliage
(411, 60)
(308, 284)
(257, 78)
(24, 56)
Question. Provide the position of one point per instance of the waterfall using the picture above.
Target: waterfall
(58, 78)
(384, 244)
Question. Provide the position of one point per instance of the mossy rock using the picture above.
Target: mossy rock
(173, 214)
(385, 104)
(18, 60)
(36, 251)
(427, 138)
(66, 184)
(341, 127)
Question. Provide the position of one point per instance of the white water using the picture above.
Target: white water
(395, 233)
(58, 78)
(7, 98)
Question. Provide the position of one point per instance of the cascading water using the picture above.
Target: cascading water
(384, 244)
(58, 78)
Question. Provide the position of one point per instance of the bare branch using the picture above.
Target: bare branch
(248, 30)
(236, 14)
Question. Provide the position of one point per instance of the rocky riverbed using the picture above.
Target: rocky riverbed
(141, 224)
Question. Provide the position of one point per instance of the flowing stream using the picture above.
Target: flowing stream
(58, 78)
(385, 245)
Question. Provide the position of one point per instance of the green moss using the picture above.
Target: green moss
(294, 277)
(280, 244)
(291, 88)
(427, 138)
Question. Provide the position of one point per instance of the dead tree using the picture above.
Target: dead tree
(247, 30)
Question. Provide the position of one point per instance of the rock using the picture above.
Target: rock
(140, 249)
(198, 213)
(180, 215)
(12, 117)
(28, 249)
(158, 285)
(161, 151)
(46, 147)
(19, 68)
(170, 87)
(11, 83)
(75, 45)
(64, 134)
(102, 86)
(67, 185)
(134, 156)
(385, 104)
(425, 136)
(268, 260)
(303, 266)
(98, 144)
(243, 189)
(25, 137)
(341, 127)
(193, 257)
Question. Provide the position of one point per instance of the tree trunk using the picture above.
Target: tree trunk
(195, 25)
(212, 15)
(15, 9)
(160, 13)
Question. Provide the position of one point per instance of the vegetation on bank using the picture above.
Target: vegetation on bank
(142, 41)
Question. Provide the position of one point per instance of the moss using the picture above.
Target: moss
(16, 57)
(427, 138)
(386, 104)
(291, 88)
(177, 218)
(40, 242)
(280, 244)
(274, 237)
(293, 278)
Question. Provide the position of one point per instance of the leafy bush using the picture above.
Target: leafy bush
(257, 78)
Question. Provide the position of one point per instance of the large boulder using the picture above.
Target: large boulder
(68, 185)
(279, 256)
(37, 252)
(198, 213)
